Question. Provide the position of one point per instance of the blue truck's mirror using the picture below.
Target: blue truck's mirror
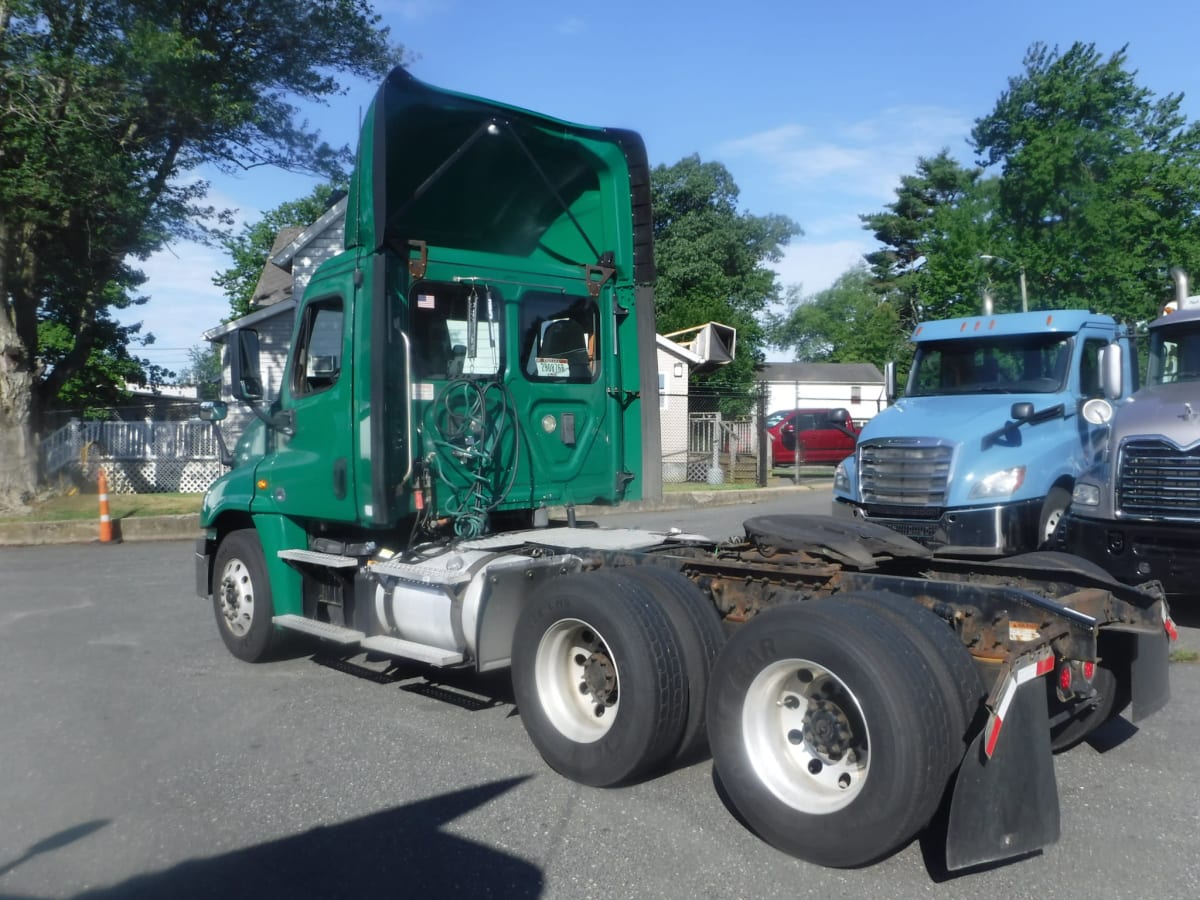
(1111, 380)
(1021, 411)
(243, 366)
(213, 411)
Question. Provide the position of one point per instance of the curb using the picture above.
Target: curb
(186, 527)
(86, 531)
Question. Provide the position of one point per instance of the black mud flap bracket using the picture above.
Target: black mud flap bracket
(1006, 805)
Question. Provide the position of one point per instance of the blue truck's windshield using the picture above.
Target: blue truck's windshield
(1020, 364)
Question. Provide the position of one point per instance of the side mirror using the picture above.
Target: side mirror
(244, 366)
(835, 417)
(213, 411)
(889, 379)
(1021, 411)
(1111, 371)
(1097, 411)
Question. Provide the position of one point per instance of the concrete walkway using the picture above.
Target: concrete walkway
(174, 528)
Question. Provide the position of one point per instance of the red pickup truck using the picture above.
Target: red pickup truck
(822, 435)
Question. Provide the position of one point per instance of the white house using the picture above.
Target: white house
(858, 387)
(296, 254)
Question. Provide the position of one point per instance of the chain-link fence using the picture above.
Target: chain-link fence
(713, 438)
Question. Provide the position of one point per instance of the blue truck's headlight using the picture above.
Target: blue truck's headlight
(841, 481)
(999, 484)
(1086, 494)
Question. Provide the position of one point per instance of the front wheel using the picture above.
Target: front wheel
(241, 595)
(1053, 509)
(829, 732)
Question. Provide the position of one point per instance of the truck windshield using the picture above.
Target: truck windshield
(1019, 364)
(1174, 354)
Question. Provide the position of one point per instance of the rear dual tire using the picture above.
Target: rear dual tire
(610, 671)
(598, 678)
(832, 730)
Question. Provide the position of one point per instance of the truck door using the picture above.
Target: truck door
(567, 388)
(1092, 437)
(310, 473)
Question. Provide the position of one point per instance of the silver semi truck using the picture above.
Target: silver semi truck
(1136, 512)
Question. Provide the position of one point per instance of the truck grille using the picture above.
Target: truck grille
(904, 472)
(1158, 480)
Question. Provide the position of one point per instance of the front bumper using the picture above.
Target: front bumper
(1136, 552)
(970, 531)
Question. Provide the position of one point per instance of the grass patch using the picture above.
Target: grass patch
(687, 487)
(121, 506)
(1185, 655)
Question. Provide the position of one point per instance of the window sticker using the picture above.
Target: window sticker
(422, 390)
(426, 301)
(553, 368)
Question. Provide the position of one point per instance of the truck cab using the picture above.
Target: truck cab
(1136, 512)
(472, 357)
(980, 453)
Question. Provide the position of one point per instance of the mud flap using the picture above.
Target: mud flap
(1006, 806)
(1149, 674)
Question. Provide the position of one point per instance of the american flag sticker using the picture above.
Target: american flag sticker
(425, 301)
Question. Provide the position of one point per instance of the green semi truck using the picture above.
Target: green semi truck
(475, 359)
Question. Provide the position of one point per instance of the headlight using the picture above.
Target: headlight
(1086, 495)
(841, 481)
(999, 484)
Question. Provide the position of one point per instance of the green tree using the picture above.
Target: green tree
(250, 248)
(846, 322)
(712, 261)
(1099, 186)
(104, 104)
(204, 371)
(940, 215)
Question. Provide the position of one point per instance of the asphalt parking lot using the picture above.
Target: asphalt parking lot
(141, 760)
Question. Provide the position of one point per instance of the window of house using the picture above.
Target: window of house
(318, 360)
(856, 393)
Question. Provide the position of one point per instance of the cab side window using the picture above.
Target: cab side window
(318, 359)
(455, 329)
(560, 336)
(1089, 369)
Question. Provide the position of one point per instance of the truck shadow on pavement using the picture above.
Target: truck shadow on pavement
(464, 688)
(404, 851)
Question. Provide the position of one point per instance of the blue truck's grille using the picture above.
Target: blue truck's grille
(904, 472)
(1158, 480)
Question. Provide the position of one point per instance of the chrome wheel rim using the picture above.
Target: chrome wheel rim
(806, 736)
(236, 596)
(577, 680)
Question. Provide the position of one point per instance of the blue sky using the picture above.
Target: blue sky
(816, 109)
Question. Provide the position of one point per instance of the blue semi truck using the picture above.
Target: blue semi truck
(981, 452)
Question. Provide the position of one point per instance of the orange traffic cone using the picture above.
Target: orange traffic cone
(106, 532)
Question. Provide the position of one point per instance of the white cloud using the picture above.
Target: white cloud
(857, 159)
(816, 266)
(573, 25)
(183, 302)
